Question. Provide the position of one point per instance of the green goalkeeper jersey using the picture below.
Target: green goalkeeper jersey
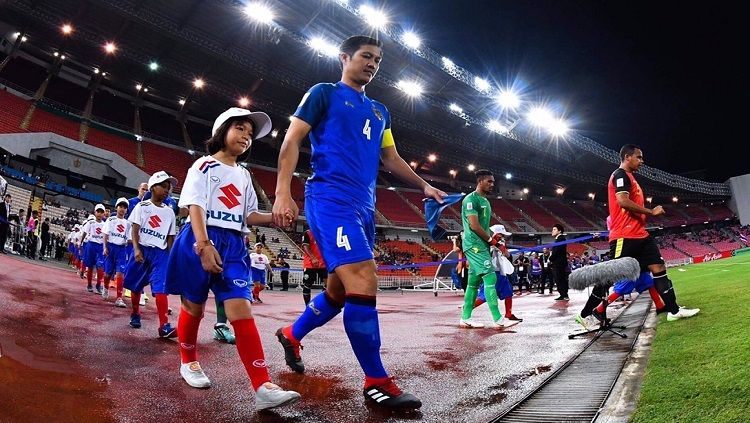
(477, 205)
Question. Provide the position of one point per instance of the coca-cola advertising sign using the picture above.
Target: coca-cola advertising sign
(712, 257)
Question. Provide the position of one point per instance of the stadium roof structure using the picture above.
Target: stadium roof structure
(272, 64)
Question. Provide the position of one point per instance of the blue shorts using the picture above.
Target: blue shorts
(644, 282)
(345, 232)
(185, 274)
(116, 261)
(93, 255)
(151, 271)
(72, 248)
(502, 286)
(257, 275)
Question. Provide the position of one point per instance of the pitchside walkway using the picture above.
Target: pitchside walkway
(66, 355)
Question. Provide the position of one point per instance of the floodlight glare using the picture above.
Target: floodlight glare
(557, 128)
(374, 18)
(540, 117)
(412, 40)
(675, 199)
(508, 176)
(243, 101)
(110, 47)
(525, 190)
(481, 83)
(274, 133)
(471, 167)
(23, 39)
(182, 102)
(448, 63)
(591, 195)
(496, 126)
(410, 88)
(153, 66)
(66, 29)
(198, 83)
(432, 157)
(452, 172)
(138, 87)
(455, 108)
(559, 191)
(323, 47)
(259, 12)
(55, 54)
(62, 57)
(508, 100)
(96, 71)
(413, 164)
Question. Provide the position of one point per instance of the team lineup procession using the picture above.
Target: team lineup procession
(175, 176)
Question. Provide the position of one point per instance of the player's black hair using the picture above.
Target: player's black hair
(218, 141)
(628, 150)
(7, 196)
(353, 43)
(559, 227)
(482, 173)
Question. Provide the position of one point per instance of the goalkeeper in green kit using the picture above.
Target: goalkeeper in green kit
(475, 216)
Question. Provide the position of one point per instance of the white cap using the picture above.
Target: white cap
(160, 177)
(261, 121)
(122, 200)
(257, 244)
(500, 229)
(100, 207)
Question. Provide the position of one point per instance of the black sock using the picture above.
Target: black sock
(306, 294)
(666, 291)
(598, 294)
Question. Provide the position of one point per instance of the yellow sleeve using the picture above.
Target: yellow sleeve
(387, 139)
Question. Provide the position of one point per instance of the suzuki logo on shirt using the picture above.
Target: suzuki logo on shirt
(230, 196)
(120, 228)
(98, 231)
(154, 221)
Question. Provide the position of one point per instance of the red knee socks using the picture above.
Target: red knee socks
(187, 334)
(135, 300)
(162, 307)
(118, 285)
(658, 302)
(613, 296)
(508, 306)
(250, 350)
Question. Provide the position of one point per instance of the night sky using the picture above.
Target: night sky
(664, 75)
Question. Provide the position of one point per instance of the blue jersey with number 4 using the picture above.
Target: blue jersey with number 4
(348, 131)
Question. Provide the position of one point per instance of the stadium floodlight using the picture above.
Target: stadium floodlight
(471, 167)
(62, 57)
(650, 199)
(323, 47)
(675, 199)
(525, 190)
(16, 34)
(560, 191)
(496, 126)
(539, 116)
(153, 66)
(182, 102)
(198, 83)
(191, 152)
(455, 108)
(243, 101)
(453, 172)
(96, 71)
(508, 100)
(24, 39)
(413, 164)
(592, 195)
(104, 73)
(110, 47)
(508, 176)
(391, 188)
(66, 29)
(145, 90)
(448, 63)
(375, 18)
(55, 54)
(274, 133)
(481, 84)
(412, 40)
(410, 88)
(432, 157)
(138, 87)
(259, 12)
(557, 127)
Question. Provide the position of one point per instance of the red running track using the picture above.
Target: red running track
(68, 356)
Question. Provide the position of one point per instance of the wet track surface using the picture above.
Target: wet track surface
(67, 355)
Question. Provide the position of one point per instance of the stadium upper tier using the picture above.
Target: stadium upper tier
(400, 207)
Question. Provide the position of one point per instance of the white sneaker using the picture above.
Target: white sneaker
(586, 322)
(143, 301)
(683, 313)
(270, 395)
(503, 323)
(470, 324)
(105, 293)
(194, 376)
(120, 303)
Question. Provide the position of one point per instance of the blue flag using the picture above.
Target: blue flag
(432, 210)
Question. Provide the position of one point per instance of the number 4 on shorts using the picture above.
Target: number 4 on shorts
(341, 239)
